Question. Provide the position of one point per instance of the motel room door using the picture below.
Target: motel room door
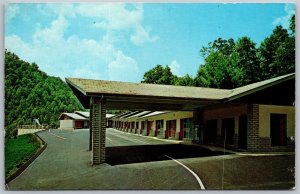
(243, 132)
(210, 131)
(170, 129)
(228, 129)
(149, 124)
(181, 133)
(278, 131)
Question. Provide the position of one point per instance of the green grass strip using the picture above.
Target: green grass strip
(18, 151)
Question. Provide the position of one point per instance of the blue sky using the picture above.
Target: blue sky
(117, 41)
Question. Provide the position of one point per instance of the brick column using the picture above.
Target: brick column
(252, 131)
(98, 130)
(91, 116)
(254, 142)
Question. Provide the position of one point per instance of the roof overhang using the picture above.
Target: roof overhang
(132, 96)
(141, 96)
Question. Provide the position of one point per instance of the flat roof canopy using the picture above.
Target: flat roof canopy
(141, 96)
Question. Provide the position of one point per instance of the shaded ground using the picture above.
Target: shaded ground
(246, 172)
(149, 153)
(65, 164)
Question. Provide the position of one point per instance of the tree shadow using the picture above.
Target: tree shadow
(150, 153)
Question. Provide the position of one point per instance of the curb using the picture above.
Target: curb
(28, 162)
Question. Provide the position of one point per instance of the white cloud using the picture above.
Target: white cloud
(123, 68)
(11, 11)
(175, 68)
(285, 20)
(67, 55)
(53, 34)
(142, 36)
(113, 16)
(61, 56)
(62, 9)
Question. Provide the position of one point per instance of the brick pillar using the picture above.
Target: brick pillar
(252, 131)
(98, 130)
(91, 116)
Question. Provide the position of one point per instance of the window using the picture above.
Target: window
(159, 127)
(188, 126)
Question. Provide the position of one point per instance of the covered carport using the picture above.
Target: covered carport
(99, 95)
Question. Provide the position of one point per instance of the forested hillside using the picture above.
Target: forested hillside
(230, 63)
(32, 94)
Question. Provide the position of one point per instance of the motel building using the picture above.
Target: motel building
(162, 124)
(73, 121)
(79, 120)
(259, 117)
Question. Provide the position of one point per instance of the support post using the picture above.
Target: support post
(91, 122)
(98, 130)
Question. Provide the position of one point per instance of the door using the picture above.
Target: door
(149, 124)
(142, 127)
(78, 124)
(210, 131)
(228, 130)
(181, 133)
(167, 129)
(243, 132)
(171, 129)
(278, 129)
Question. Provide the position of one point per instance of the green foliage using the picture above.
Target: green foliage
(31, 94)
(277, 54)
(184, 81)
(159, 75)
(231, 64)
(292, 24)
(18, 151)
(220, 69)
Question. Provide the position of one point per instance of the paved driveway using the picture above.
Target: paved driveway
(65, 164)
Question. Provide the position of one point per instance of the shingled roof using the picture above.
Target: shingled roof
(161, 97)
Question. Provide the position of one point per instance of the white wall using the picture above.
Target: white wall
(26, 131)
(66, 124)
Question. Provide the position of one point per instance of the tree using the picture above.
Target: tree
(247, 61)
(292, 25)
(220, 67)
(159, 75)
(31, 93)
(274, 53)
(184, 81)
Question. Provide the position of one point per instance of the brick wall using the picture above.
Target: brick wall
(98, 130)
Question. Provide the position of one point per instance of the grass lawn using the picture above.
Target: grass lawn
(18, 151)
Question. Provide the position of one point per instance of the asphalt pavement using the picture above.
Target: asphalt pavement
(147, 163)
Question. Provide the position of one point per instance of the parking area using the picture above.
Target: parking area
(136, 162)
